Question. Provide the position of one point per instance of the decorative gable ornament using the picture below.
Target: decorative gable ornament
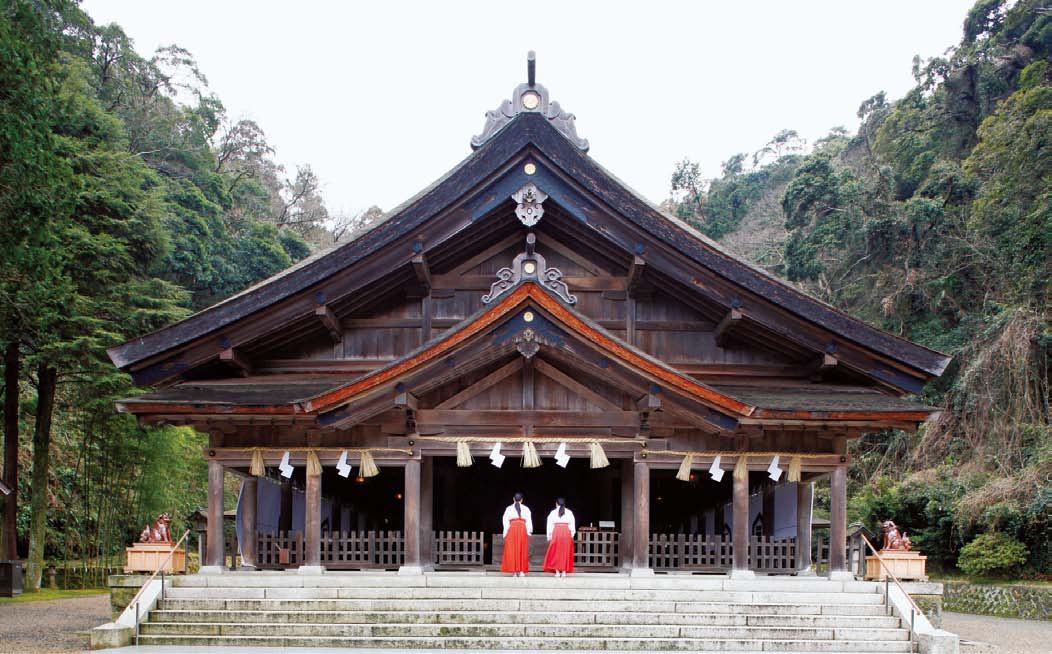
(530, 265)
(530, 97)
(529, 199)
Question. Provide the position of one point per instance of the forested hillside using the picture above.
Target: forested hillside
(128, 198)
(933, 221)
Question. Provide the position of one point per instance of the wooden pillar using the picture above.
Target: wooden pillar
(740, 528)
(312, 525)
(249, 537)
(285, 514)
(411, 526)
(838, 523)
(214, 540)
(641, 519)
(627, 513)
(804, 490)
(427, 502)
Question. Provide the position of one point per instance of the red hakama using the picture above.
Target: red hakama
(560, 550)
(516, 548)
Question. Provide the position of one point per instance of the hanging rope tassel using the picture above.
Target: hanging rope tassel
(741, 469)
(464, 459)
(795, 466)
(529, 456)
(368, 466)
(257, 469)
(599, 459)
(684, 468)
(313, 464)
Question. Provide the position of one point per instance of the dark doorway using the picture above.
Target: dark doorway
(474, 498)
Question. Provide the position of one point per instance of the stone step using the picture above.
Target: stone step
(590, 594)
(595, 581)
(280, 615)
(516, 631)
(572, 643)
(647, 606)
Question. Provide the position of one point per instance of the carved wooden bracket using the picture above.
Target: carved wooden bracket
(530, 265)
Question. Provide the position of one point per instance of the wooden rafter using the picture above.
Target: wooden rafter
(237, 361)
(329, 320)
(726, 326)
(482, 385)
(423, 273)
(561, 378)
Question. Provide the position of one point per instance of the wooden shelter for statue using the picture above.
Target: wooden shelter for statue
(527, 298)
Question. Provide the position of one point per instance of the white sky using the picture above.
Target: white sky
(382, 97)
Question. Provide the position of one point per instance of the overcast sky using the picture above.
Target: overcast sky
(381, 98)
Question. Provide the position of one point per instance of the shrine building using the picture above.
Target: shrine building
(527, 323)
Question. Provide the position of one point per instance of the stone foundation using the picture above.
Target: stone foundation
(1030, 602)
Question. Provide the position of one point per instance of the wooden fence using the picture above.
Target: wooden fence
(715, 553)
(597, 549)
(459, 548)
(339, 550)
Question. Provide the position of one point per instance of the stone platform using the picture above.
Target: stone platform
(480, 611)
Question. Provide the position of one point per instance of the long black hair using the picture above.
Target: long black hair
(518, 497)
(561, 502)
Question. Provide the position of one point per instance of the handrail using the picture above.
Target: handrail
(889, 573)
(159, 568)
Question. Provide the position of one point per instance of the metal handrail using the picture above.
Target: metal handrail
(135, 600)
(915, 609)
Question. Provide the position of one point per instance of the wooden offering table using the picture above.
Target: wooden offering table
(148, 557)
(904, 565)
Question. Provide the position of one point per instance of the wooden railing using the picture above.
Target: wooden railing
(459, 548)
(690, 551)
(772, 555)
(339, 550)
(715, 553)
(597, 549)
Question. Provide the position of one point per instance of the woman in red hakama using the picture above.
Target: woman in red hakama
(561, 531)
(518, 525)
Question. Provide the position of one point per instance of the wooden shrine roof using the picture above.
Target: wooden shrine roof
(669, 245)
(503, 323)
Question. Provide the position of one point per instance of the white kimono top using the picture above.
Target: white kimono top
(509, 515)
(566, 518)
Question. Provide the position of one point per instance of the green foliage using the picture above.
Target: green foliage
(935, 222)
(992, 554)
(126, 200)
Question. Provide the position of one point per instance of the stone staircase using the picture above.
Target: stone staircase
(489, 612)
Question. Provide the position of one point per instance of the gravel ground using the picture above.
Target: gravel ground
(982, 634)
(51, 626)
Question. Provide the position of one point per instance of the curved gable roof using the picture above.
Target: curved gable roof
(534, 131)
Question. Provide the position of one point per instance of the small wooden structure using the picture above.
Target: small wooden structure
(528, 296)
(148, 557)
(904, 566)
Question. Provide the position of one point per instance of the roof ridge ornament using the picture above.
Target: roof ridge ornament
(530, 266)
(528, 207)
(530, 97)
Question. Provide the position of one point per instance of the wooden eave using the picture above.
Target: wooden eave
(348, 402)
(473, 189)
(524, 293)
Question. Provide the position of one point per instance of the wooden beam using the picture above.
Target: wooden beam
(237, 361)
(561, 378)
(726, 326)
(821, 364)
(634, 282)
(497, 418)
(423, 272)
(332, 324)
(481, 385)
(650, 401)
(406, 400)
(527, 384)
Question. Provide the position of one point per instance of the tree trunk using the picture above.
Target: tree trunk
(38, 498)
(12, 372)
